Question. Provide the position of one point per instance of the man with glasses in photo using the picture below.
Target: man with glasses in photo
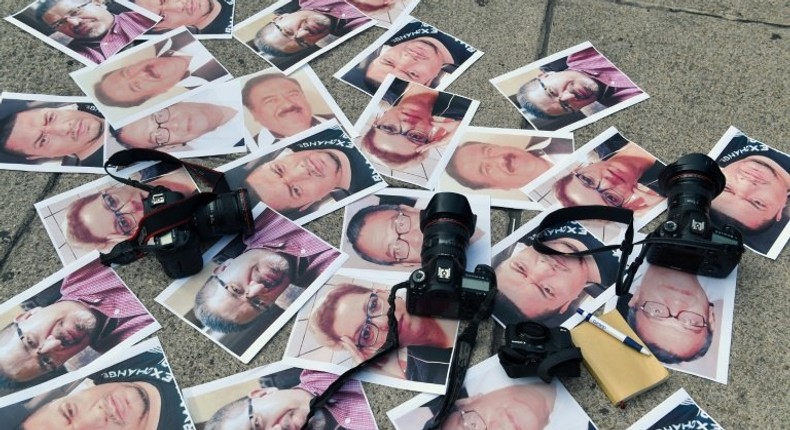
(96, 32)
(353, 319)
(199, 125)
(671, 313)
(95, 309)
(295, 30)
(243, 287)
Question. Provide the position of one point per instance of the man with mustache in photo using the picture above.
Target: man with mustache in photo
(210, 17)
(95, 310)
(95, 32)
(278, 103)
(50, 132)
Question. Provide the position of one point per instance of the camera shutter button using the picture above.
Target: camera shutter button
(670, 226)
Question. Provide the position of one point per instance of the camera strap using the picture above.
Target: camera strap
(462, 355)
(517, 363)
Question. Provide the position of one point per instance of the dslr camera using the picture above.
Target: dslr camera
(532, 349)
(442, 287)
(687, 240)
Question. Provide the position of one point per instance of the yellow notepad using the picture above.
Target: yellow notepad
(621, 372)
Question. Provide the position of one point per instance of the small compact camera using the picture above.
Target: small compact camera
(533, 349)
(178, 249)
(692, 243)
(442, 287)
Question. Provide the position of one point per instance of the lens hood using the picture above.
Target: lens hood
(693, 167)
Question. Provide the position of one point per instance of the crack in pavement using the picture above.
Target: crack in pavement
(677, 9)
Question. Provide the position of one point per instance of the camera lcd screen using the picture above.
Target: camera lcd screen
(475, 284)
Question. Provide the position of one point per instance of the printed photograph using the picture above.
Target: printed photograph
(290, 33)
(609, 170)
(208, 123)
(206, 19)
(569, 89)
(385, 12)
(251, 286)
(382, 236)
(89, 31)
(754, 199)
(499, 162)
(144, 79)
(67, 321)
(434, 122)
(307, 175)
(103, 213)
(679, 411)
(279, 106)
(345, 323)
(549, 288)
(51, 134)
(136, 390)
(413, 51)
(684, 319)
(491, 400)
(277, 396)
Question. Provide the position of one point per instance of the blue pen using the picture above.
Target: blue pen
(589, 317)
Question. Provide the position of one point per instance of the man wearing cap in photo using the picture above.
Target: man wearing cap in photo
(549, 288)
(279, 256)
(754, 199)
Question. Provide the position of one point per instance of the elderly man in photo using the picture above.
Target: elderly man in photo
(278, 103)
(180, 61)
(586, 78)
(481, 165)
(549, 288)
(199, 125)
(294, 32)
(96, 33)
(278, 408)
(671, 313)
(278, 254)
(95, 310)
(49, 133)
(199, 16)
(353, 319)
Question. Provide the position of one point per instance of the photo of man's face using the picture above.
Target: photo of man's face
(51, 132)
(418, 60)
(113, 213)
(144, 79)
(290, 33)
(391, 236)
(609, 182)
(79, 19)
(174, 125)
(266, 408)
(280, 106)
(755, 193)
(560, 93)
(517, 407)
(175, 13)
(488, 165)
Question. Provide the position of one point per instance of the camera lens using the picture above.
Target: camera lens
(229, 213)
(691, 183)
(447, 224)
(532, 332)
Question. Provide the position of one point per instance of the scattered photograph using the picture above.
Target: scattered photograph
(89, 31)
(549, 288)
(255, 399)
(279, 106)
(104, 212)
(499, 162)
(65, 322)
(290, 33)
(209, 123)
(679, 411)
(382, 236)
(754, 199)
(135, 388)
(491, 400)
(250, 287)
(306, 175)
(569, 89)
(43, 133)
(413, 51)
(609, 170)
(345, 323)
(435, 122)
(385, 12)
(685, 319)
(142, 80)
(206, 19)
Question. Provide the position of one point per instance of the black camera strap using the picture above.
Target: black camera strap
(462, 355)
(130, 156)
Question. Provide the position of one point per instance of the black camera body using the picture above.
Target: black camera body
(533, 349)
(694, 244)
(442, 287)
